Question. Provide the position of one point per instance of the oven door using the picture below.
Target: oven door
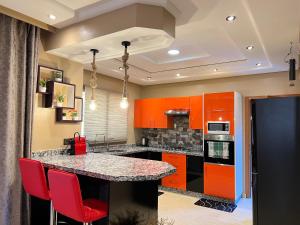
(220, 152)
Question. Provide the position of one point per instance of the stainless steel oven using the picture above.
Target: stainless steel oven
(218, 127)
(219, 149)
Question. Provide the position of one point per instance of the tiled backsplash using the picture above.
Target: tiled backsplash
(180, 137)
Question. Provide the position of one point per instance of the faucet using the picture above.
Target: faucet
(104, 139)
(107, 144)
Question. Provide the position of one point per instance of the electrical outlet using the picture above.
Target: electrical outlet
(67, 141)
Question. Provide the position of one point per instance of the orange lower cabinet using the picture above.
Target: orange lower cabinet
(219, 181)
(178, 179)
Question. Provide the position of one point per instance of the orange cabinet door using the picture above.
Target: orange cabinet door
(219, 101)
(219, 181)
(219, 107)
(196, 112)
(138, 113)
(177, 103)
(178, 179)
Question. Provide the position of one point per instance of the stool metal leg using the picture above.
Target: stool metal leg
(53, 215)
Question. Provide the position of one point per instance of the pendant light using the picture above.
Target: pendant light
(93, 80)
(124, 100)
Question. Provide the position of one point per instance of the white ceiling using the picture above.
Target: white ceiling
(203, 36)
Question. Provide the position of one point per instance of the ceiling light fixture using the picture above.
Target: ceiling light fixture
(173, 52)
(250, 47)
(149, 78)
(124, 100)
(215, 70)
(178, 74)
(121, 68)
(258, 64)
(52, 17)
(230, 18)
(93, 80)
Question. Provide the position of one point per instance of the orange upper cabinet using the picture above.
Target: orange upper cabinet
(177, 103)
(149, 113)
(219, 107)
(138, 113)
(219, 181)
(196, 112)
(178, 179)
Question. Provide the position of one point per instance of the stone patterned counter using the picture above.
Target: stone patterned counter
(109, 167)
(128, 149)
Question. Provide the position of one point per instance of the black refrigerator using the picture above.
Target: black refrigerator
(276, 161)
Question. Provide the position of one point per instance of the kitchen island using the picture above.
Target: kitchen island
(128, 185)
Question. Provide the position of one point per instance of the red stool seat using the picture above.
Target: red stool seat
(67, 200)
(94, 209)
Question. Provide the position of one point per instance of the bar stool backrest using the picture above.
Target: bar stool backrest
(66, 194)
(34, 178)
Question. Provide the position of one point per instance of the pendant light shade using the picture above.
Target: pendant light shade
(124, 100)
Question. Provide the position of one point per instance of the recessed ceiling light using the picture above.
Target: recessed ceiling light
(173, 52)
(215, 70)
(178, 74)
(230, 18)
(149, 78)
(52, 17)
(258, 64)
(121, 68)
(250, 47)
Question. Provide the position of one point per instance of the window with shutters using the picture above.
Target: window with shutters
(108, 119)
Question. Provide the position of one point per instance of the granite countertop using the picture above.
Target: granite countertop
(129, 149)
(108, 167)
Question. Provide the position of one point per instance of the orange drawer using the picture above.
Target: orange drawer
(219, 180)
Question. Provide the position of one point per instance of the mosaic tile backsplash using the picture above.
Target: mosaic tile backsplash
(180, 137)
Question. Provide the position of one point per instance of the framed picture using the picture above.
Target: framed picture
(46, 74)
(71, 115)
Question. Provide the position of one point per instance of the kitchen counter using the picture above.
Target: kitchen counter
(129, 149)
(109, 167)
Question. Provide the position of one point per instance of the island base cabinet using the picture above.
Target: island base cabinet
(129, 200)
(219, 181)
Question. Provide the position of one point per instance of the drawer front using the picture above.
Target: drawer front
(219, 180)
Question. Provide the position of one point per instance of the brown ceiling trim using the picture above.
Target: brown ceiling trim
(27, 19)
(183, 68)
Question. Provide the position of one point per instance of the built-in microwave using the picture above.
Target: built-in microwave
(218, 127)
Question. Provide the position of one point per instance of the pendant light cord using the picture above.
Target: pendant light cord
(125, 58)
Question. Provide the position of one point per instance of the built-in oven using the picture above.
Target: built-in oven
(219, 149)
(218, 127)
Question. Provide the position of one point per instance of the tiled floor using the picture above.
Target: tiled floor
(181, 209)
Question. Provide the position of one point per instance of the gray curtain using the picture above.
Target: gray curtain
(18, 71)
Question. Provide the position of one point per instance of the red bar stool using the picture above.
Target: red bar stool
(35, 183)
(67, 200)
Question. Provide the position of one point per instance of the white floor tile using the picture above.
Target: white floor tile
(181, 209)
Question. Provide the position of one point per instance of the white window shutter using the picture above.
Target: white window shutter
(108, 119)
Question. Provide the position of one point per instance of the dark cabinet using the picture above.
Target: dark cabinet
(195, 175)
(138, 155)
(154, 156)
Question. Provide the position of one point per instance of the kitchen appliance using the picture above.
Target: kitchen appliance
(275, 161)
(78, 145)
(218, 127)
(145, 142)
(219, 149)
(177, 112)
